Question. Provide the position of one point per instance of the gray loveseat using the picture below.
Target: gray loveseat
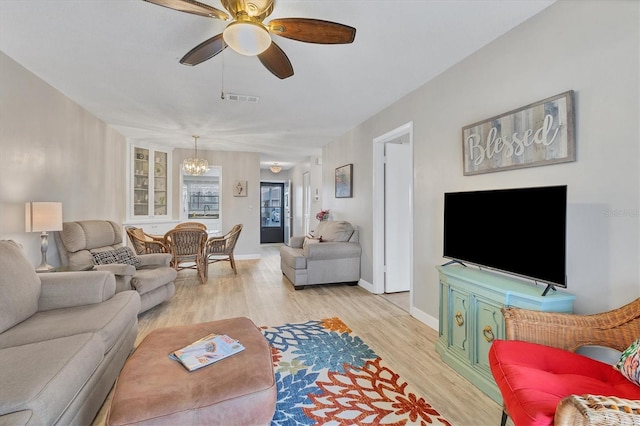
(331, 254)
(153, 279)
(64, 338)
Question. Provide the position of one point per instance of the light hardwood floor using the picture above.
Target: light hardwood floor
(260, 291)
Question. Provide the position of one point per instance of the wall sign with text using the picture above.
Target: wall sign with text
(535, 135)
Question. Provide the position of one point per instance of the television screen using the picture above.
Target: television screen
(519, 231)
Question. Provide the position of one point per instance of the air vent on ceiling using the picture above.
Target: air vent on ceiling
(240, 98)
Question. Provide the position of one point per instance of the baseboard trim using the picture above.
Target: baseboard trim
(425, 318)
(366, 285)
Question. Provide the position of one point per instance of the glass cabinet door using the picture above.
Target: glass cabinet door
(150, 182)
(140, 182)
(160, 184)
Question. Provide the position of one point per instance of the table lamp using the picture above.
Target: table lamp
(43, 217)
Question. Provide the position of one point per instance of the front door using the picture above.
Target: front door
(271, 212)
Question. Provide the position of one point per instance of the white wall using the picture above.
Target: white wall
(591, 47)
(51, 149)
(245, 210)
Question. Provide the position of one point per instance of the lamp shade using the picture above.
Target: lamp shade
(42, 216)
(247, 37)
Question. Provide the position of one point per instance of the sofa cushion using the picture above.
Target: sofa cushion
(122, 255)
(533, 378)
(149, 278)
(106, 320)
(56, 371)
(19, 286)
(334, 230)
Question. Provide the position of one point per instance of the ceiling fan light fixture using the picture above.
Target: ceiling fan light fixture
(275, 168)
(247, 37)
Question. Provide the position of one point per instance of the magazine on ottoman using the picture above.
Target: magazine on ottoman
(211, 348)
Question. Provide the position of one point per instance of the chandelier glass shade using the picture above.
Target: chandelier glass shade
(247, 37)
(195, 166)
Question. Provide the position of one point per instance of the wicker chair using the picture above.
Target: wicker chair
(221, 248)
(196, 225)
(186, 245)
(144, 243)
(615, 329)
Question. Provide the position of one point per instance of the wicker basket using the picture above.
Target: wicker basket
(577, 410)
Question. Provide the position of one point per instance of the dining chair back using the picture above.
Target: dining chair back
(221, 248)
(144, 243)
(196, 225)
(186, 245)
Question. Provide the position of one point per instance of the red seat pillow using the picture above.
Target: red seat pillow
(533, 378)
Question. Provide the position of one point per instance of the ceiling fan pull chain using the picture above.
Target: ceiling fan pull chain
(222, 83)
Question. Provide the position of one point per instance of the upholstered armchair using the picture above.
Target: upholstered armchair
(80, 243)
(330, 255)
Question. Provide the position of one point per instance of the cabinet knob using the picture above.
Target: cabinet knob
(488, 334)
(459, 319)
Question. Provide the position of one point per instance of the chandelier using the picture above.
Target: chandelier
(195, 166)
(275, 168)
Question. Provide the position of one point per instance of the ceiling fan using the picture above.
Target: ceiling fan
(249, 35)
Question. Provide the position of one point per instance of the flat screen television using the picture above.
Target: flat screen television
(520, 231)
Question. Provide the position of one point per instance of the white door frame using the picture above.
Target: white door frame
(378, 206)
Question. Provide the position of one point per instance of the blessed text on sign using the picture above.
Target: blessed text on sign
(534, 135)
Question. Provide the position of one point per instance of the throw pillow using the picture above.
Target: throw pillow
(311, 240)
(629, 363)
(123, 255)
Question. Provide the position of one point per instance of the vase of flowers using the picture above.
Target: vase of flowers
(322, 215)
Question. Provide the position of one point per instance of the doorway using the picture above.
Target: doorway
(393, 212)
(271, 212)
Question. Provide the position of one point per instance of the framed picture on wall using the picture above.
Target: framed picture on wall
(344, 181)
(240, 188)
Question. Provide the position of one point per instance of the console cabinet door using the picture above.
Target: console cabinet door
(459, 327)
(489, 326)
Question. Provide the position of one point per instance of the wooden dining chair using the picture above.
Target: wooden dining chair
(196, 225)
(186, 245)
(144, 243)
(221, 248)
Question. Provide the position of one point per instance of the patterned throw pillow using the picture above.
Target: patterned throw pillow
(122, 255)
(629, 363)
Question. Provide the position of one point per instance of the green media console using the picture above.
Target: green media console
(470, 317)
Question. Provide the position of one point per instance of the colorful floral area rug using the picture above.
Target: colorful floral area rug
(328, 376)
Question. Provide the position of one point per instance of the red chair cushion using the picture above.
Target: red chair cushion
(534, 378)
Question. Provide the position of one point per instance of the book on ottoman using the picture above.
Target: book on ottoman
(211, 348)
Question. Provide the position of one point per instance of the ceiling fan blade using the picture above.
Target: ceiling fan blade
(205, 50)
(275, 60)
(192, 6)
(312, 30)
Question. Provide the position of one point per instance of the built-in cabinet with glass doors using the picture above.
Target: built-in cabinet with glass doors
(150, 195)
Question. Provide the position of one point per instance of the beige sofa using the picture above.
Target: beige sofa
(331, 254)
(153, 279)
(64, 338)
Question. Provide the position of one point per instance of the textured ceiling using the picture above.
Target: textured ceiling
(119, 60)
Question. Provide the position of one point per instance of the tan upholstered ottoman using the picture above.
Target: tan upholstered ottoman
(239, 390)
